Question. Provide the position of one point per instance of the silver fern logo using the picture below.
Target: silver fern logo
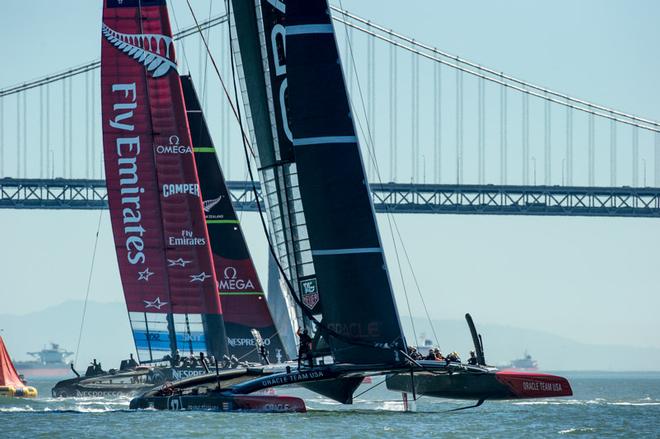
(150, 50)
(210, 204)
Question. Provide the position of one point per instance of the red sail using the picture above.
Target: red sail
(162, 244)
(8, 374)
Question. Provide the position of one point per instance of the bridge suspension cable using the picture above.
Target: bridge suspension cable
(421, 49)
(93, 65)
(456, 62)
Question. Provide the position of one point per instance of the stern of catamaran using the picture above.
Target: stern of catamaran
(477, 383)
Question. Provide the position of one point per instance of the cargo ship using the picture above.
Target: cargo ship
(526, 363)
(50, 362)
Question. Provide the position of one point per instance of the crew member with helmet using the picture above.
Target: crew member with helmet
(305, 347)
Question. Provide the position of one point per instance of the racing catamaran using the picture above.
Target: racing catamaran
(323, 231)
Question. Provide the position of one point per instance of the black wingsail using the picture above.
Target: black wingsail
(241, 294)
(312, 171)
(271, 133)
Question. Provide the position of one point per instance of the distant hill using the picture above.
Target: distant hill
(107, 337)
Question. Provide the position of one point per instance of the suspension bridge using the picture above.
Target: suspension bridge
(440, 134)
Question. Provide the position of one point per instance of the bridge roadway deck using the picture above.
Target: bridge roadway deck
(395, 197)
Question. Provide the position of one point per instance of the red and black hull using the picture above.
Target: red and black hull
(222, 403)
(212, 392)
(480, 384)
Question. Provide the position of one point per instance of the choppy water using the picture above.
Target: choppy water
(604, 405)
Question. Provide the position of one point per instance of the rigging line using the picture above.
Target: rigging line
(93, 65)
(584, 107)
(389, 215)
(199, 61)
(328, 331)
(224, 113)
(405, 289)
(206, 62)
(392, 221)
(255, 348)
(89, 284)
(357, 80)
(370, 388)
(240, 213)
(372, 155)
(182, 45)
(457, 59)
(419, 290)
(222, 82)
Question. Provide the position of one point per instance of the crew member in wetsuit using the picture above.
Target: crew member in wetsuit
(472, 361)
(454, 357)
(414, 354)
(98, 370)
(132, 364)
(203, 360)
(305, 347)
(431, 355)
(92, 368)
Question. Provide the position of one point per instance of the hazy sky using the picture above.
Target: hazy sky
(592, 279)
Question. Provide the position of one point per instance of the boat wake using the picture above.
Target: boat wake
(70, 405)
(578, 430)
(58, 410)
(598, 401)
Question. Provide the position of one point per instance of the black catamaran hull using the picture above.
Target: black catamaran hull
(82, 390)
(480, 385)
(132, 383)
(235, 389)
(213, 392)
(222, 403)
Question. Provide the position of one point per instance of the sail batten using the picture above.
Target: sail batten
(306, 29)
(324, 140)
(346, 251)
